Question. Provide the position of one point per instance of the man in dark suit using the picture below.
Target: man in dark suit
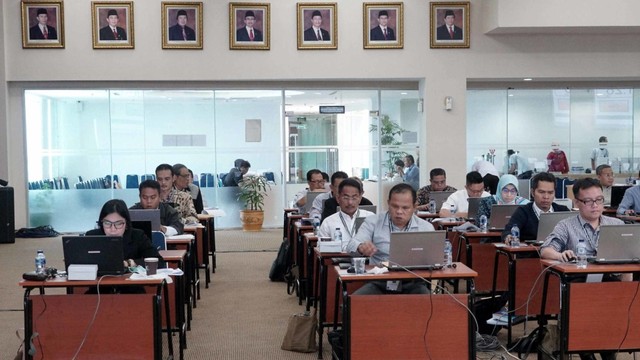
(315, 32)
(112, 31)
(180, 31)
(448, 31)
(42, 31)
(248, 32)
(382, 32)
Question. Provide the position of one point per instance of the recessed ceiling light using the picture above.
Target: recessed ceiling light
(599, 94)
(527, 79)
(403, 93)
(510, 94)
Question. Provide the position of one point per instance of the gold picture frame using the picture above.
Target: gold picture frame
(42, 24)
(112, 25)
(182, 25)
(249, 26)
(449, 26)
(383, 25)
(324, 18)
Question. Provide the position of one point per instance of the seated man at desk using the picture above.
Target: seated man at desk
(315, 182)
(438, 182)
(630, 201)
(319, 202)
(457, 203)
(180, 200)
(561, 244)
(149, 193)
(543, 188)
(606, 178)
(348, 197)
(331, 205)
(184, 183)
(375, 234)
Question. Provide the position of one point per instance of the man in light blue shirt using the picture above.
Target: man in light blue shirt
(630, 201)
(411, 173)
(518, 164)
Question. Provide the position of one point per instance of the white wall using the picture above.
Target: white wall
(441, 72)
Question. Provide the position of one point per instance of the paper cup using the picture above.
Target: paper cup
(151, 264)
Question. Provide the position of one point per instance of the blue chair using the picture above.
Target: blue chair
(270, 177)
(147, 177)
(132, 182)
(210, 182)
(221, 177)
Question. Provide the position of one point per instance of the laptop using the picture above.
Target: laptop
(474, 206)
(500, 216)
(617, 193)
(147, 220)
(418, 250)
(101, 250)
(524, 188)
(311, 196)
(548, 222)
(440, 197)
(618, 244)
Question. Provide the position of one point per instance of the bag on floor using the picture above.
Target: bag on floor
(37, 232)
(301, 333)
(281, 264)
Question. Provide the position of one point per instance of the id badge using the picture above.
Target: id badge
(393, 285)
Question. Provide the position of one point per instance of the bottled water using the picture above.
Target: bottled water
(337, 235)
(432, 207)
(515, 236)
(448, 250)
(483, 223)
(581, 254)
(453, 209)
(41, 262)
(316, 224)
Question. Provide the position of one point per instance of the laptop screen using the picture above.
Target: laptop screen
(416, 248)
(104, 251)
(500, 215)
(440, 197)
(548, 222)
(619, 243)
(311, 196)
(617, 193)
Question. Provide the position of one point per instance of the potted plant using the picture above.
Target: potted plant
(253, 190)
(389, 131)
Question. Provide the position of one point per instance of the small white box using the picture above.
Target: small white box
(82, 272)
(330, 246)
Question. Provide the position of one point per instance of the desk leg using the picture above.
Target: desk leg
(512, 296)
(322, 279)
(28, 323)
(309, 283)
(205, 257)
(346, 323)
(212, 244)
(167, 309)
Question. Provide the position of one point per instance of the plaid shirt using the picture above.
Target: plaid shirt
(423, 193)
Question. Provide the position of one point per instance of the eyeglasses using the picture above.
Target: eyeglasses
(350, 198)
(115, 224)
(317, 181)
(184, 175)
(507, 191)
(591, 202)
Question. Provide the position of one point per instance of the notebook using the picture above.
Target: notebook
(618, 244)
(617, 193)
(500, 216)
(440, 197)
(101, 250)
(548, 221)
(418, 250)
(474, 205)
(147, 220)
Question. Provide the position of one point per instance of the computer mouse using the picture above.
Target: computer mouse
(351, 270)
(572, 260)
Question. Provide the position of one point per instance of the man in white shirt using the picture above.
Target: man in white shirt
(473, 189)
(315, 182)
(518, 164)
(349, 194)
(318, 202)
(600, 155)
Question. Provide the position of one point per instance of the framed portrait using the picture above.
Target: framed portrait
(182, 25)
(42, 24)
(112, 24)
(249, 26)
(317, 26)
(449, 26)
(383, 25)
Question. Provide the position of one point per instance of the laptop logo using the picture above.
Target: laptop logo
(417, 249)
(627, 235)
(94, 251)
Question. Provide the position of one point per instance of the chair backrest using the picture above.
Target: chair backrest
(221, 177)
(270, 177)
(147, 177)
(132, 181)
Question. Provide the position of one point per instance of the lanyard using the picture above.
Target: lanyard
(353, 226)
(391, 226)
(590, 235)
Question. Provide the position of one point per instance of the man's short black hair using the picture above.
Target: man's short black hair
(178, 167)
(542, 176)
(181, 12)
(399, 163)
(403, 188)
(151, 184)
(603, 139)
(338, 175)
(437, 172)
(350, 182)
(383, 13)
(41, 11)
(510, 152)
(245, 164)
(410, 157)
(249, 13)
(601, 168)
(311, 172)
(584, 184)
(474, 177)
(112, 12)
(165, 167)
(449, 13)
(316, 13)
(325, 176)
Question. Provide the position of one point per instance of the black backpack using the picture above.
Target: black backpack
(282, 263)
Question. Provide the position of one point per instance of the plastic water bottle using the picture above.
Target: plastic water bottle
(515, 236)
(453, 209)
(448, 253)
(432, 207)
(483, 223)
(316, 224)
(41, 262)
(581, 255)
(337, 235)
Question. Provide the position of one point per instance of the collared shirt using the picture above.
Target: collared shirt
(377, 229)
(606, 191)
(184, 204)
(630, 200)
(344, 222)
(318, 204)
(539, 211)
(568, 232)
(425, 191)
(459, 199)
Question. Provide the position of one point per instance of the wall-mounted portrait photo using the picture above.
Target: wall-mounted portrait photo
(181, 25)
(249, 26)
(112, 24)
(449, 25)
(42, 24)
(317, 26)
(383, 26)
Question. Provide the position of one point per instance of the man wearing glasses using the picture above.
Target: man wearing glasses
(184, 183)
(315, 182)
(606, 178)
(180, 200)
(457, 203)
(561, 244)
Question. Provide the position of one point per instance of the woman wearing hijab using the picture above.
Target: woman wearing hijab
(506, 194)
